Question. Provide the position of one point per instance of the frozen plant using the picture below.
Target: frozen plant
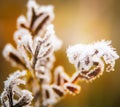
(92, 60)
(12, 95)
(34, 55)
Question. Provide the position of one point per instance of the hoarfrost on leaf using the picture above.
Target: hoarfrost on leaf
(38, 17)
(13, 95)
(91, 60)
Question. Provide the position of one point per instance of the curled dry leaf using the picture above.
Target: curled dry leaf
(91, 60)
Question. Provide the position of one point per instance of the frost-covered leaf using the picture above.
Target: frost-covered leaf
(13, 96)
(38, 17)
(91, 60)
(72, 88)
(49, 96)
(60, 77)
(12, 55)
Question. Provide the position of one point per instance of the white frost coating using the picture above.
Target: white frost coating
(10, 49)
(24, 39)
(24, 43)
(44, 47)
(28, 96)
(13, 79)
(7, 50)
(109, 54)
(77, 91)
(60, 88)
(90, 60)
(55, 41)
(35, 10)
(52, 96)
(46, 76)
(49, 64)
(12, 89)
(45, 67)
(39, 9)
(24, 36)
(21, 19)
(74, 52)
(59, 71)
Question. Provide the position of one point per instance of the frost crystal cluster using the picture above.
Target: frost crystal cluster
(36, 43)
(92, 60)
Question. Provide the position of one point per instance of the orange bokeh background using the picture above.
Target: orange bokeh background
(76, 21)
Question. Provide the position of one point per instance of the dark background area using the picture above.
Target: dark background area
(76, 21)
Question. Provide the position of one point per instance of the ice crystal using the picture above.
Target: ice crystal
(91, 60)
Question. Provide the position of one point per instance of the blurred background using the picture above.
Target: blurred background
(76, 21)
